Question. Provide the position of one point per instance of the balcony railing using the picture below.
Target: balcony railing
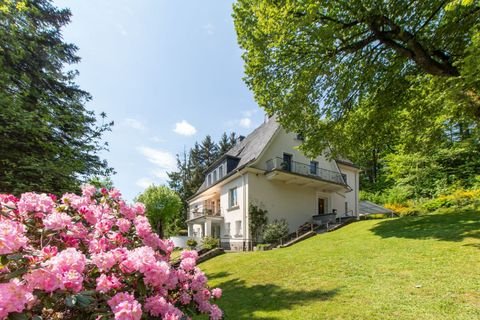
(305, 169)
(205, 211)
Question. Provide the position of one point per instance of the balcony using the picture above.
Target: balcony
(204, 212)
(308, 175)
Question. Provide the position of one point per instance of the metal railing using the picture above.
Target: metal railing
(208, 211)
(304, 169)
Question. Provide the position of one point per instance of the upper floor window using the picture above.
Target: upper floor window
(209, 179)
(232, 197)
(220, 172)
(300, 137)
(344, 176)
(313, 167)
(214, 175)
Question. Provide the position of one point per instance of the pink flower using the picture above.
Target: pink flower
(157, 306)
(57, 221)
(104, 260)
(106, 283)
(188, 264)
(217, 293)
(72, 280)
(88, 191)
(115, 194)
(31, 202)
(43, 280)
(157, 274)
(215, 313)
(123, 225)
(12, 236)
(66, 260)
(125, 307)
(14, 297)
(189, 254)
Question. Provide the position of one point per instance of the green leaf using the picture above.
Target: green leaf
(17, 316)
(84, 301)
(70, 301)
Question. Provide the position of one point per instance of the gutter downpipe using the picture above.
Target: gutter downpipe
(245, 236)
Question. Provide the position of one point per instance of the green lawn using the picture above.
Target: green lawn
(406, 268)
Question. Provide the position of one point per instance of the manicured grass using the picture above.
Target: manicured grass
(405, 268)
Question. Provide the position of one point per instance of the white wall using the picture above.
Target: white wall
(295, 204)
(284, 142)
(237, 213)
(353, 180)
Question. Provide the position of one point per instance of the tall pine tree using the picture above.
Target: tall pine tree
(49, 141)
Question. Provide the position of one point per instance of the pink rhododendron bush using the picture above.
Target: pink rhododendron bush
(93, 257)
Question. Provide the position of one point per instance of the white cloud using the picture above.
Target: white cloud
(135, 124)
(122, 29)
(164, 162)
(209, 28)
(249, 113)
(245, 123)
(162, 159)
(184, 128)
(157, 139)
(144, 183)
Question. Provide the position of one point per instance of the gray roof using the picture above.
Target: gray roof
(252, 146)
(249, 149)
(367, 207)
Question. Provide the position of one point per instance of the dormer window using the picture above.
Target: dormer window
(220, 172)
(214, 175)
(209, 179)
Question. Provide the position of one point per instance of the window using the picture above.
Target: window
(214, 175)
(313, 167)
(238, 228)
(346, 207)
(209, 179)
(300, 136)
(232, 197)
(344, 176)
(220, 172)
(227, 228)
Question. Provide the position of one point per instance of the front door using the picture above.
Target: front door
(216, 231)
(322, 206)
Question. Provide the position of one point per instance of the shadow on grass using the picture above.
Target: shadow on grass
(240, 301)
(452, 226)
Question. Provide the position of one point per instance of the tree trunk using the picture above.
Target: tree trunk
(160, 229)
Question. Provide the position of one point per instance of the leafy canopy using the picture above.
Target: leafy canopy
(314, 63)
(162, 206)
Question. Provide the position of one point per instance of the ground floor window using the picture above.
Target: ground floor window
(238, 228)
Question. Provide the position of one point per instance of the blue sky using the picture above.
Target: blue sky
(167, 72)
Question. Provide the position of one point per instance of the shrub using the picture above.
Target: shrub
(93, 257)
(257, 220)
(458, 198)
(275, 230)
(192, 243)
(210, 243)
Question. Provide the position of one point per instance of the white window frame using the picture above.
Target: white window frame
(238, 228)
(232, 197)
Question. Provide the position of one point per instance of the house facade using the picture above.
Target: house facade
(267, 169)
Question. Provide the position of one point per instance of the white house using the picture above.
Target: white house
(267, 169)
